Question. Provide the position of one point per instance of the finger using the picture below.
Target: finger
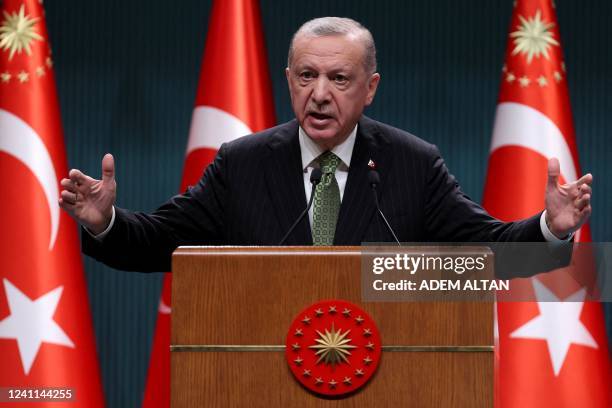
(78, 178)
(584, 214)
(553, 172)
(586, 179)
(68, 185)
(586, 211)
(586, 189)
(582, 202)
(70, 198)
(108, 167)
(66, 206)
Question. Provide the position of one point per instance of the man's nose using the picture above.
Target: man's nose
(321, 90)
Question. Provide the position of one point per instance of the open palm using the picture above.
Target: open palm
(568, 206)
(90, 201)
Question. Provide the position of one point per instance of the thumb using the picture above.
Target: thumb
(553, 172)
(108, 167)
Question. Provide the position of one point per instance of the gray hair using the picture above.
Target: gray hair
(329, 26)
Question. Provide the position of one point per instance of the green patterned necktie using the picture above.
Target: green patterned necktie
(326, 201)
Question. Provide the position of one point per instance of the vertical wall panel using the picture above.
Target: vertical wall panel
(127, 73)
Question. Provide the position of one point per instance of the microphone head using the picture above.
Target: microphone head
(315, 175)
(373, 178)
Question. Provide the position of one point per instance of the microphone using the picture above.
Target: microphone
(315, 178)
(374, 180)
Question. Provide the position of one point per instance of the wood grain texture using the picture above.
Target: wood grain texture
(263, 379)
(250, 296)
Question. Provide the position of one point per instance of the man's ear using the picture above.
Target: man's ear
(372, 86)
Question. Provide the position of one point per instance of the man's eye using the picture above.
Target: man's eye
(307, 75)
(340, 79)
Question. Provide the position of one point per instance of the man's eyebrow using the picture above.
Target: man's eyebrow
(304, 66)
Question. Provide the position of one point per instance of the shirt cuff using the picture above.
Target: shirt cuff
(104, 233)
(548, 236)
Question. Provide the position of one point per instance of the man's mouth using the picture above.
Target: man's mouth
(319, 116)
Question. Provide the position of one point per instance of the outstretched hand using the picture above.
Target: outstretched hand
(568, 206)
(90, 201)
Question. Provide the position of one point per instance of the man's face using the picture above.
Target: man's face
(329, 86)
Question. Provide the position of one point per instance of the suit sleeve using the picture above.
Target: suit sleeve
(145, 242)
(452, 216)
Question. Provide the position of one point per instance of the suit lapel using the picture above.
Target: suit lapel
(285, 184)
(358, 205)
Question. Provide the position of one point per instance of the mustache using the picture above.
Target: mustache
(326, 112)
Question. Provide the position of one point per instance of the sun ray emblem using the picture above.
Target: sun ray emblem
(333, 347)
(533, 37)
(17, 32)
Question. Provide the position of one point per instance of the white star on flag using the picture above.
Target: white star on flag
(31, 322)
(558, 323)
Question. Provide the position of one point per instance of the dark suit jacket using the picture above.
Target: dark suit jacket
(254, 191)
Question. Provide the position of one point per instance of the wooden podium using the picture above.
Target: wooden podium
(232, 307)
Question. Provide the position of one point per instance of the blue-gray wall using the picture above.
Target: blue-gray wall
(127, 73)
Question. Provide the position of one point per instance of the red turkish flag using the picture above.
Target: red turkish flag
(550, 354)
(46, 336)
(234, 99)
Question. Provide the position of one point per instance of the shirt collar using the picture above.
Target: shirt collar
(310, 150)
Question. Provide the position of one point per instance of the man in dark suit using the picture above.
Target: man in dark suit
(258, 185)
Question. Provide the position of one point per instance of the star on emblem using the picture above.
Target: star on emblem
(49, 62)
(370, 346)
(40, 71)
(298, 332)
(295, 346)
(5, 77)
(347, 380)
(524, 81)
(367, 332)
(17, 32)
(346, 312)
(359, 319)
(359, 372)
(298, 361)
(318, 381)
(510, 77)
(367, 360)
(332, 309)
(333, 346)
(306, 320)
(332, 383)
(533, 37)
(23, 77)
(558, 77)
(306, 373)
(319, 312)
(31, 323)
(542, 81)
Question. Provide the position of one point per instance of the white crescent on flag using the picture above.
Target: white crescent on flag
(520, 125)
(163, 307)
(211, 127)
(18, 139)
